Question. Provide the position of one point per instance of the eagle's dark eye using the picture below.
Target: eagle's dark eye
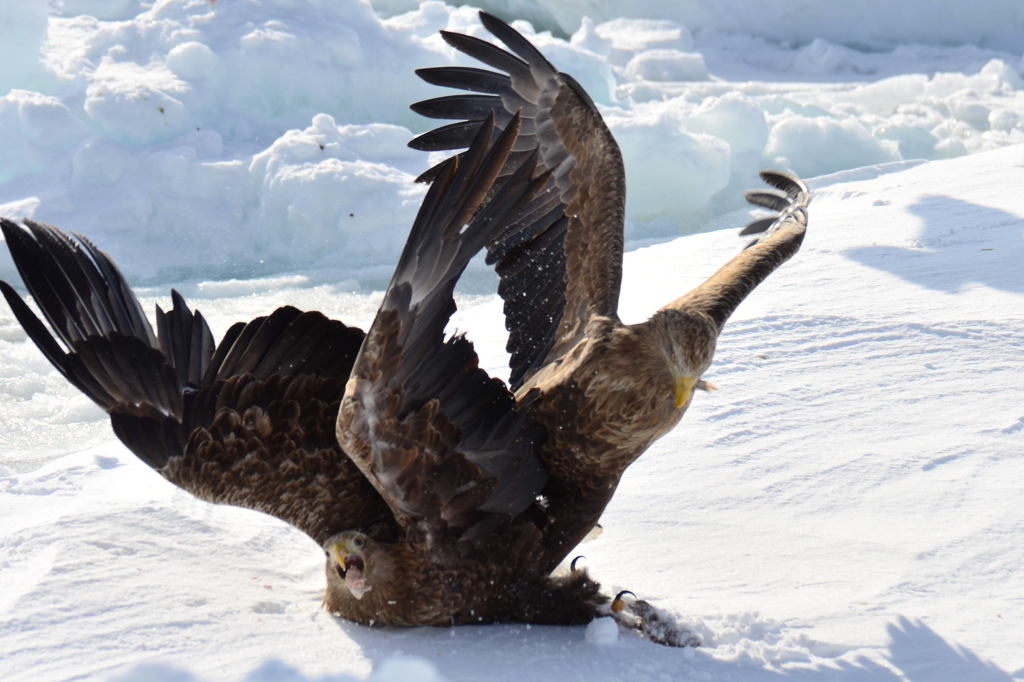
(358, 542)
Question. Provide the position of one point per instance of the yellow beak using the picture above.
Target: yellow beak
(353, 575)
(684, 388)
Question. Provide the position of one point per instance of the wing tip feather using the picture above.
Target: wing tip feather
(791, 196)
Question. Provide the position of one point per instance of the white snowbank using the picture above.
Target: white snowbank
(246, 139)
(875, 24)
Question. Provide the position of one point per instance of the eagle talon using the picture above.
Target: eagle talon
(618, 604)
(653, 623)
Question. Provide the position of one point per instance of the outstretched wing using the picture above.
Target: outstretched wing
(780, 238)
(444, 443)
(247, 422)
(560, 258)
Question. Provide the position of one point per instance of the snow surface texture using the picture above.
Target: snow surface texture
(248, 138)
(845, 507)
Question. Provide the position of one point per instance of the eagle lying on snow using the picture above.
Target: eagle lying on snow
(440, 495)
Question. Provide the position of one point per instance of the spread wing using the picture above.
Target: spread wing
(559, 259)
(444, 443)
(780, 238)
(247, 422)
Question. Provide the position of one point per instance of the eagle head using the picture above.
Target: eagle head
(350, 559)
(687, 342)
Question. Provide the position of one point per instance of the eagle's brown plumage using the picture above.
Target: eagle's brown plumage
(248, 423)
(440, 495)
(604, 391)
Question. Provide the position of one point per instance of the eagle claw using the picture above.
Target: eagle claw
(656, 624)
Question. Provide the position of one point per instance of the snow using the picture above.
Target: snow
(845, 506)
(602, 631)
(201, 141)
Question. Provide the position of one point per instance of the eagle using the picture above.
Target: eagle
(439, 494)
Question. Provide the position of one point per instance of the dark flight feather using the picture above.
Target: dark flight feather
(444, 443)
(562, 124)
(151, 385)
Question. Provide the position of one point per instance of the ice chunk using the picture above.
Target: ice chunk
(817, 146)
(634, 35)
(35, 129)
(883, 97)
(22, 32)
(191, 60)
(1008, 77)
(667, 65)
(139, 104)
(1002, 119)
(98, 161)
(104, 10)
(821, 58)
(631, 36)
(733, 118)
(914, 142)
(319, 195)
(969, 110)
(670, 171)
(588, 39)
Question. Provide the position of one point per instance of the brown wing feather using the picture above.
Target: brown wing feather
(721, 293)
(249, 422)
(444, 443)
(572, 231)
(593, 243)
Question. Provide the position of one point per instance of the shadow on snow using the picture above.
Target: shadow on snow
(915, 653)
(960, 244)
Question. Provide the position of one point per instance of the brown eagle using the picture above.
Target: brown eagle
(440, 495)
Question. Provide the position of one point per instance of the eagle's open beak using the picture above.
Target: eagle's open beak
(351, 567)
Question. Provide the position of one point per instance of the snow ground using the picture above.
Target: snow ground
(845, 507)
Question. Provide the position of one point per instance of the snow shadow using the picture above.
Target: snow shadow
(960, 244)
(514, 652)
(916, 653)
(923, 656)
